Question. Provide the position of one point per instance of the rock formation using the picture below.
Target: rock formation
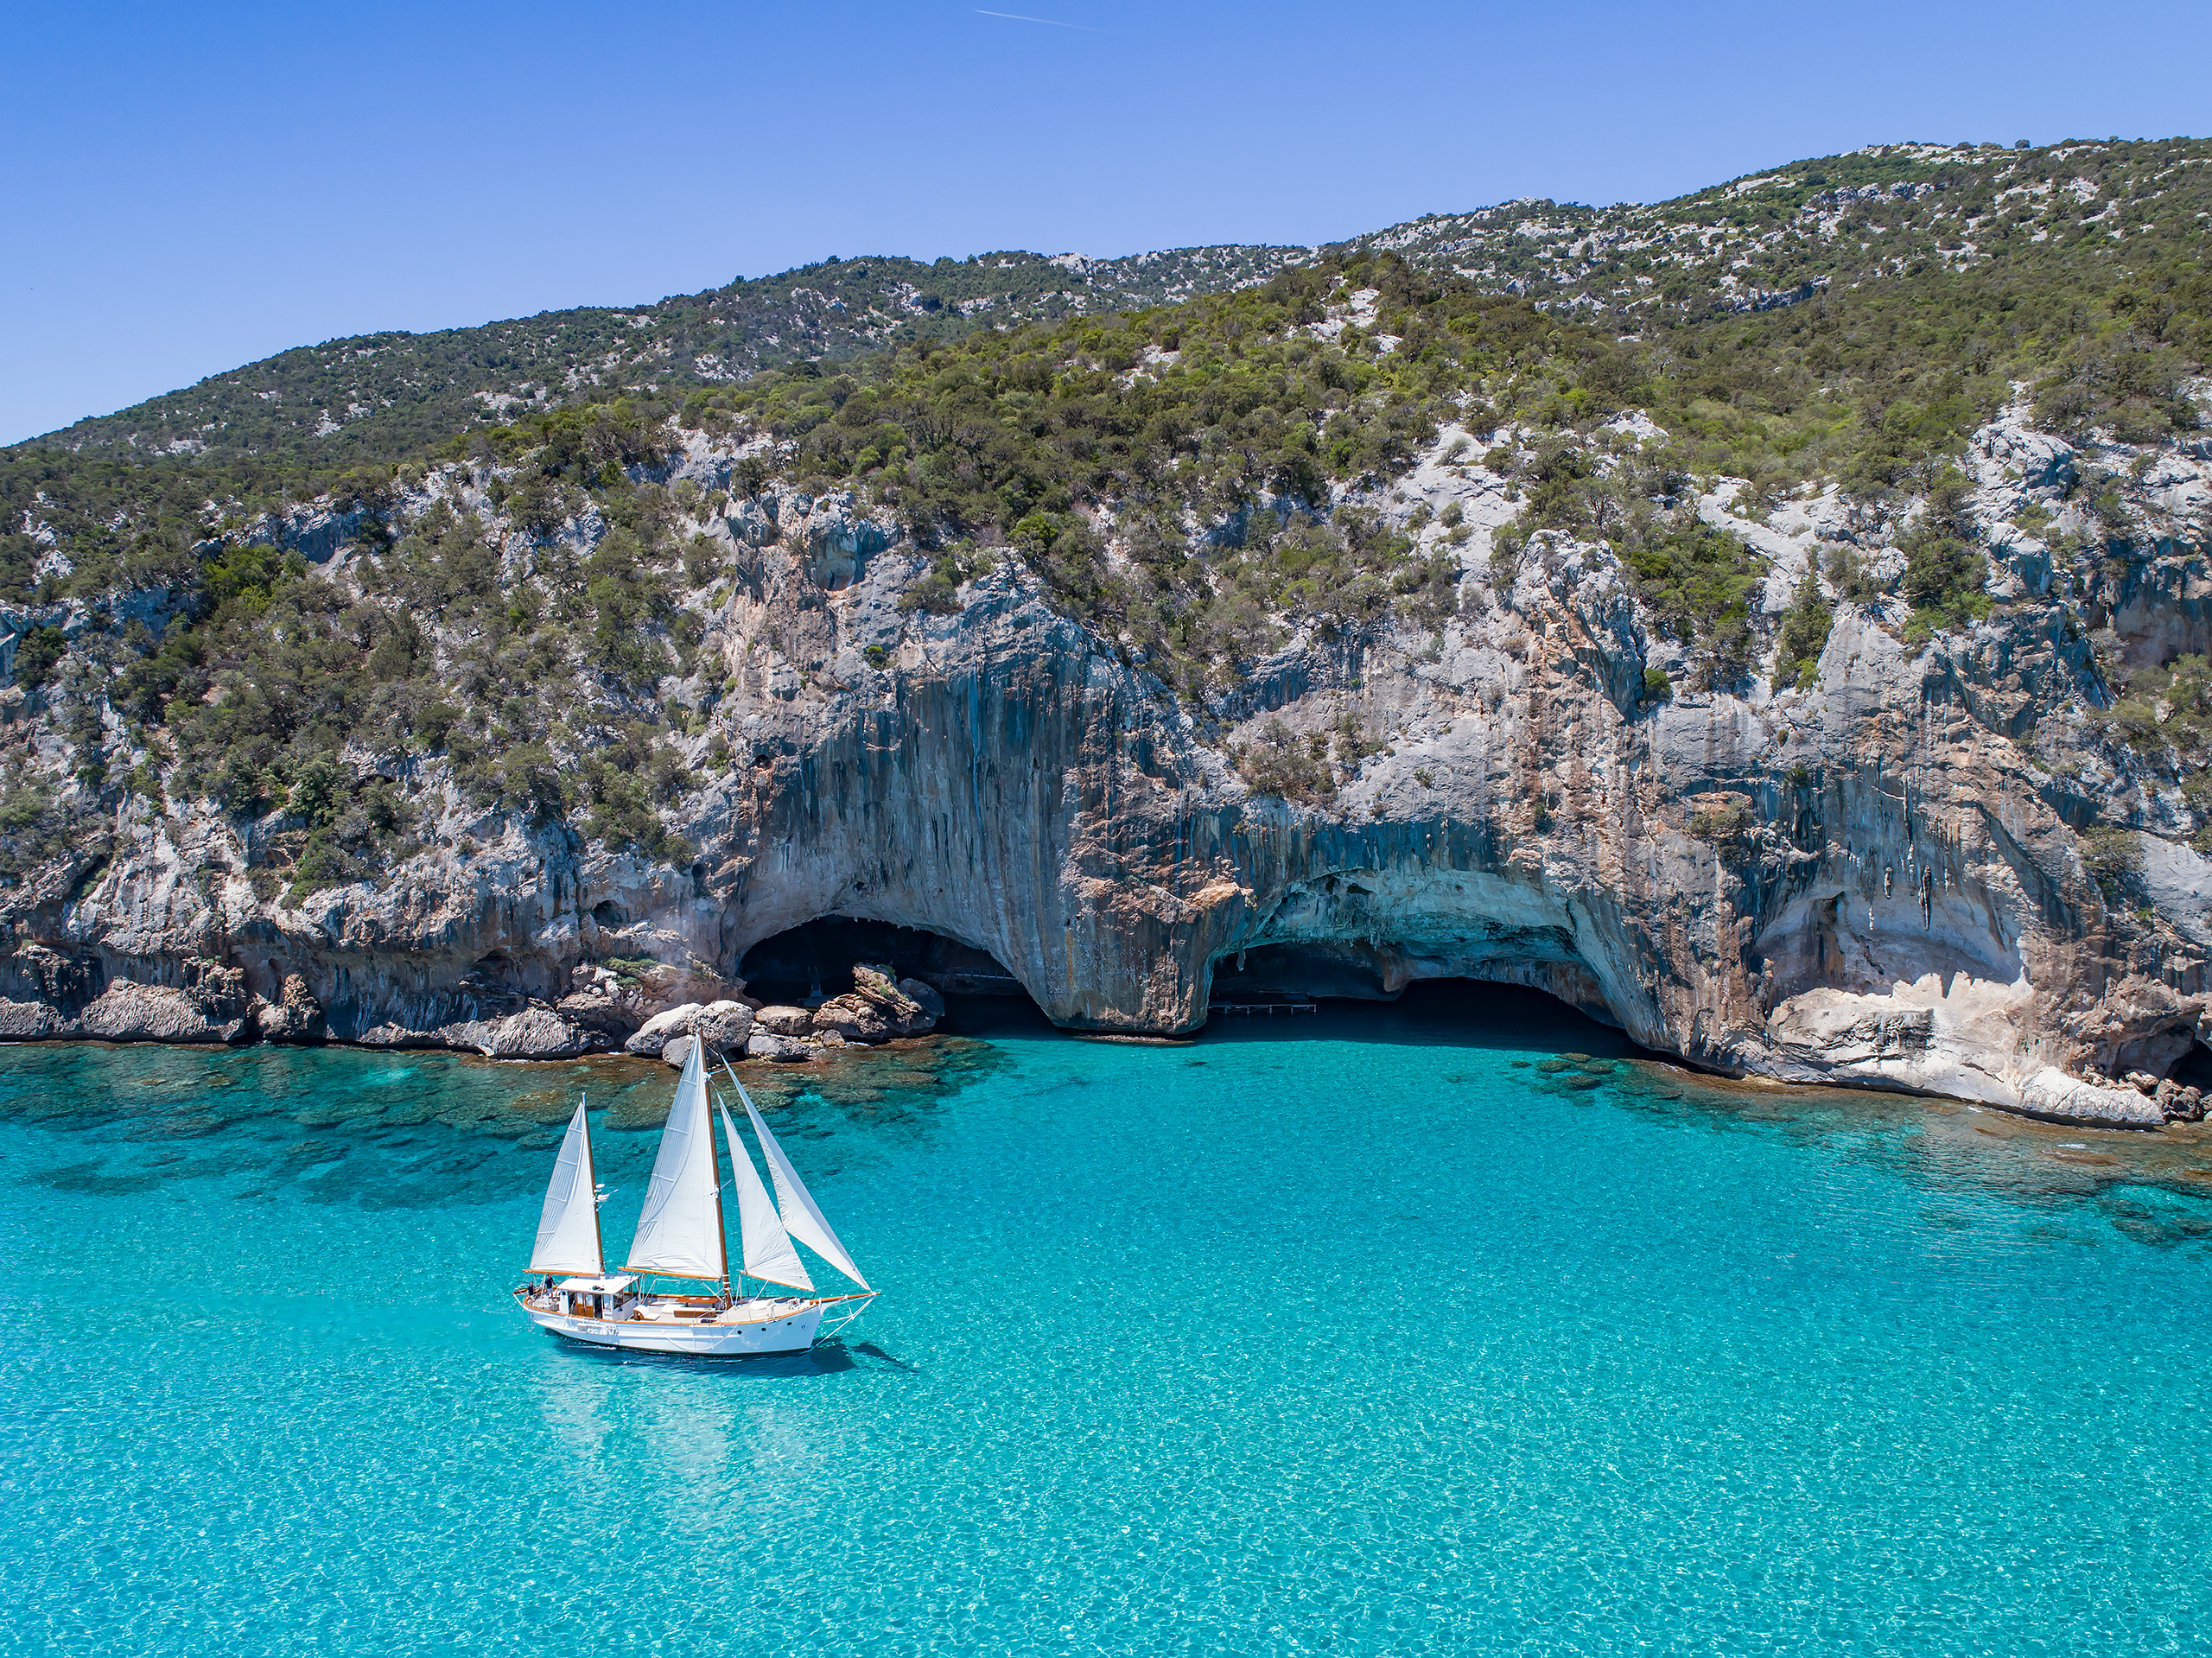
(1877, 878)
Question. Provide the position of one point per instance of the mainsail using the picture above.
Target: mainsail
(768, 1252)
(567, 1226)
(680, 1227)
(803, 1219)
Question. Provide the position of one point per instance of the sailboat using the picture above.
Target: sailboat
(680, 1236)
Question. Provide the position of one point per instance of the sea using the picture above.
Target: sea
(1455, 1326)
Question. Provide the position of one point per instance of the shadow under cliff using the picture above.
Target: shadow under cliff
(1441, 1012)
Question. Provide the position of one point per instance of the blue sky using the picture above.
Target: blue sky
(189, 187)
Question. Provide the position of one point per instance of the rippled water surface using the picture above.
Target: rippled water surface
(1390, 1333)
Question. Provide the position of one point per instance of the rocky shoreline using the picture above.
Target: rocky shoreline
(213, 1006)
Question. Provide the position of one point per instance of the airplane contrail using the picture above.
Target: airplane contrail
(1015, 16)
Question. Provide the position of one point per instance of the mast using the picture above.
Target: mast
(591, 1186)
(721, 1236)
(679, 1227)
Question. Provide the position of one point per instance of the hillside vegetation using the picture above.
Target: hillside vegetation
(385, 396)
(1199, 482)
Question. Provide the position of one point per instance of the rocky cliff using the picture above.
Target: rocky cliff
(1875, 877)
(1820, 691)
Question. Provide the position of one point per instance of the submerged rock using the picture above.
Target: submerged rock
(766, 1045)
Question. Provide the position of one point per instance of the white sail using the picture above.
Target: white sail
(803, 1219)
(768, 1252)
(567, 1226)
(680, 1227)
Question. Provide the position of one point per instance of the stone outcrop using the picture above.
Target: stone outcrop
(1933, 867)
(211, 1008)
(294, 1017)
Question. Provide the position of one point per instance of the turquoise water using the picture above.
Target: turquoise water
(1375, 1338)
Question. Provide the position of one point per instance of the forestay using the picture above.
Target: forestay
(680, 1227)
(803, 1219)
(768, 1247)
(568, 1228)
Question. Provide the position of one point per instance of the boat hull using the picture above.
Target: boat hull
(788, 1329)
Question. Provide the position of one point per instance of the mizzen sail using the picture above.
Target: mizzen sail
(567, 1226)
(768, 1252)
(803, 1217)
(680, 1227)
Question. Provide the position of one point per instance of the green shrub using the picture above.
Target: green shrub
(1803, 635)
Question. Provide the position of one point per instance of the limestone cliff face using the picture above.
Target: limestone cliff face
(1877, 879)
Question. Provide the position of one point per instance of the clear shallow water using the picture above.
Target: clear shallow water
(1341, 1335)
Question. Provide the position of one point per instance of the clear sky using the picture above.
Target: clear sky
(192, 187)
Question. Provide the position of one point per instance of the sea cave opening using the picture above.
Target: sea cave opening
(1351, 991)
(2193, 1068)
(806, 964)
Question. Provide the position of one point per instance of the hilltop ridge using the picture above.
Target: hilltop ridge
(1759, 242)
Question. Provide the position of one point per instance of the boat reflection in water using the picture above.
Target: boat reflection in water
(680, 1236)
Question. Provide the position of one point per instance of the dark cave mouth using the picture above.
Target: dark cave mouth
(806, 964)
(1349, 984)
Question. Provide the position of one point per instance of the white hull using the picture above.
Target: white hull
(749, 1330)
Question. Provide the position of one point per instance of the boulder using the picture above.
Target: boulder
(677, 1051)
(857, 1019)
(908, 1005)
(2051, 1093)
(925, 997)
(765, 1044)
(27, 1021)
(781, 1020)
(393, 1034)
(599, 1014)
(128, 1012)
(537, 1033)
(724, 1026)
(875, 984)
(296, 1016)
(657, 1032)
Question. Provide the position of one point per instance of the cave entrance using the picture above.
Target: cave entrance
(2193, 1069)
(1295, 972)
(1408, 999)
(1453, 1013)
(806, 965)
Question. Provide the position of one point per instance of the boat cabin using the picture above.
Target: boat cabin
(591, 1297)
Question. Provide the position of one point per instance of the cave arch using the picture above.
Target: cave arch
(807, 964)
(1366, 969)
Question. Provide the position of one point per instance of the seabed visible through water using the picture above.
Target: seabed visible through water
(1453, 1326)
